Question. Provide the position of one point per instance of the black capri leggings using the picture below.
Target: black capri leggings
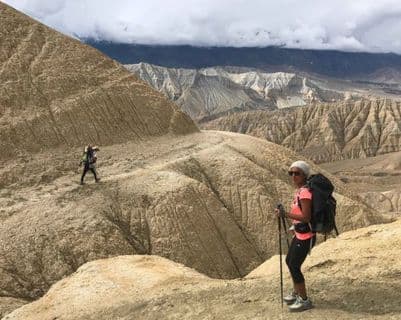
(86, 169)
(296, 256)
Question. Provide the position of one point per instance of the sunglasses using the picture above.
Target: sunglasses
(294, 173)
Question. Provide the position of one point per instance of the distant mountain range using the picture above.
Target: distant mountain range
(208, 93)
(337, 122)
(361, 93)
(350, 65)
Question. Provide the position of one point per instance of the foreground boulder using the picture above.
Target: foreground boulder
(350, 277)
(98, 288)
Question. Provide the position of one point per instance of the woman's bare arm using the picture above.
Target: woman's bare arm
(306, 207)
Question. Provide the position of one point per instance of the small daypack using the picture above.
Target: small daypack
(323, 204)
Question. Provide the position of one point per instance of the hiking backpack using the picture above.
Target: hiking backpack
(89, 157)
(323, 204)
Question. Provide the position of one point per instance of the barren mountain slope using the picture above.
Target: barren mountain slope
(325, 132)
(355, 276)
(205, 200)
(376, 179)
(388, 78)
(210, 92)
(56, 91)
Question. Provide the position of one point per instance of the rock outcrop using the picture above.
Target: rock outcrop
(212, 92)
(355, 276)
(56, 91)
(388, 202)
(325, 132)
(375, 179)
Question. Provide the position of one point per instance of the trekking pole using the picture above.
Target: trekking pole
(285, 229)
(282, 211)
(335, 228)
(281, 262)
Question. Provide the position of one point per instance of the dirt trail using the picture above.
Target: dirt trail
(115, 163)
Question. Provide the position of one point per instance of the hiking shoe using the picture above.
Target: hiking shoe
(300, 305)
(290, 298)
(97, 180)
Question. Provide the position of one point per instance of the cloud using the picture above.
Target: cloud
(358, 25)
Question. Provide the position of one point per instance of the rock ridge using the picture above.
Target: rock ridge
(325, 132)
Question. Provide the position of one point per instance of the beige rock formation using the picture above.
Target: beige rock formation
(98, 288)
(325, 132)
(375, 179)
(58, 92)
(205, 200)
(386, 202)
(212, 92)
(9, 304)
(355, 276)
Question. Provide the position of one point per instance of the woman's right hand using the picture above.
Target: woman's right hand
(280, 211)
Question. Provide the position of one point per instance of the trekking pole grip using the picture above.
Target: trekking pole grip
(281, 209)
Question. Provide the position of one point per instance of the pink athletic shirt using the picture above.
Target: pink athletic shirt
(301, 193)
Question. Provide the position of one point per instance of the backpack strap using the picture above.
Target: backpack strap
(299, 200)
(300, 207)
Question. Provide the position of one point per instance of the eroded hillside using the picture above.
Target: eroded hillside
(376, 179)
(325, 132)
(206, 201)
(56, 91)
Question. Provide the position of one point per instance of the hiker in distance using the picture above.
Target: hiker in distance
(303, 239)
(89, 159)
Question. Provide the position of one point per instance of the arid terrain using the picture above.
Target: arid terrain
(356, 121)
(325, 132)
(376, 179)
(114, 286)
(210, 93)
(355, 276)
(181, 224)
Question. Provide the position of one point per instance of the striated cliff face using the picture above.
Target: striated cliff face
(325, 132)
(56, 91)
(210, 92)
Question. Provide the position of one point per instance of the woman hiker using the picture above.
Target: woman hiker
(303, 239)
(89, 160)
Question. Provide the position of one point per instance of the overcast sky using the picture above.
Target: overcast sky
(351, 25)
